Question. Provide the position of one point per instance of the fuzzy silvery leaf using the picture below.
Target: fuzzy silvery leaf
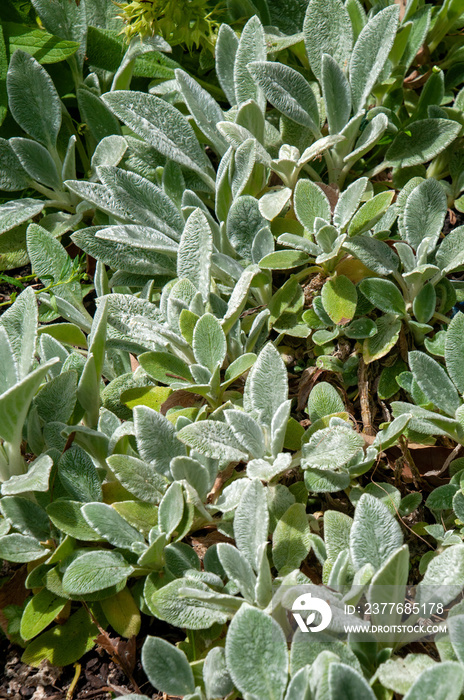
(25, 516)
(238, 570)
(369, 137)
(196, 474)
(162, 126)
(213, 439)
(218, 682)
(21, 548)
(209, 342)
(375, 254)
(186, 610)
(20, 324)
(244, 220)
(310, 203)
(421, 141)
(110, 525)
(247, 431)
(245, 160)
(398, 674)
(263, 470)
(78, 475)
(203, 108)
(375, 533)
(236, 135)
(434, 382)
(441, 681)
(454, 350)
(443, 580)
(167, 667)
(171, 509)
(348, 202)
(67, 517)
(450, 254)
(57, 399)
(138, 477)
(279, 427)
(141, 200)
(15, 402)
(419, 30)
(13, 177)
(424, 213)
(331, 447)
(251, 47)
(337, 94)
(36, 478)
(33, 99)
(318, 147)
(251, 522)
(272, 203)
(139, 237)
(232, 495)
(266, 387)
(389, 583)
(100, 121)
(194, 253)
(225, 50)
(95, 570)
(256, 654)
(37, 162)
(388, 436)
(239, 297)
(370, 54)
(327, 30)
(109, 151)
(121, 256)
(17, 212)
(156, 439)
(345, 682)
(288, 91)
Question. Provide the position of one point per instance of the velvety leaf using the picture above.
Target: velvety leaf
(375, 533)
(291, 540)
(434, 382)
(251, 47)
(339, 298)
(384, 294)
(167, 667)
(95, 570)
(327, 30)
(421, 142)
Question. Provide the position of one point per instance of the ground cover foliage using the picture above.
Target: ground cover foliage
(236, 362)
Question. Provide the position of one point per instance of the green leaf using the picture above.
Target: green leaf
(375, 533)
(283, 260)
(66, 20)
(20, 548)
(79, 476)
(37, 162)
(3, 76)
(327, 30)
(138, 477)
(251, 47)
(67, 517)
(256, 654)
(244, 220)
(204, 109)
(370, 212)
(237, 569)
(288, 91)
(345, 682)
(442, 681)
(454, 351)
(33, 99)
(310, 202)
(324, 400)
(384, 294)
(291, 540)
(40, 611)
(337, 94)
(63, 644)
(162, 126)
(171, 509)
(209, 342)
(421, 142)
(167, 667)
(388, 331)
(110, 525)
(194, 253)
(164, 367)
(424, 213)
(370, 54)
(42, 45)
(339, 298)
(94, 571)
(434, 382)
